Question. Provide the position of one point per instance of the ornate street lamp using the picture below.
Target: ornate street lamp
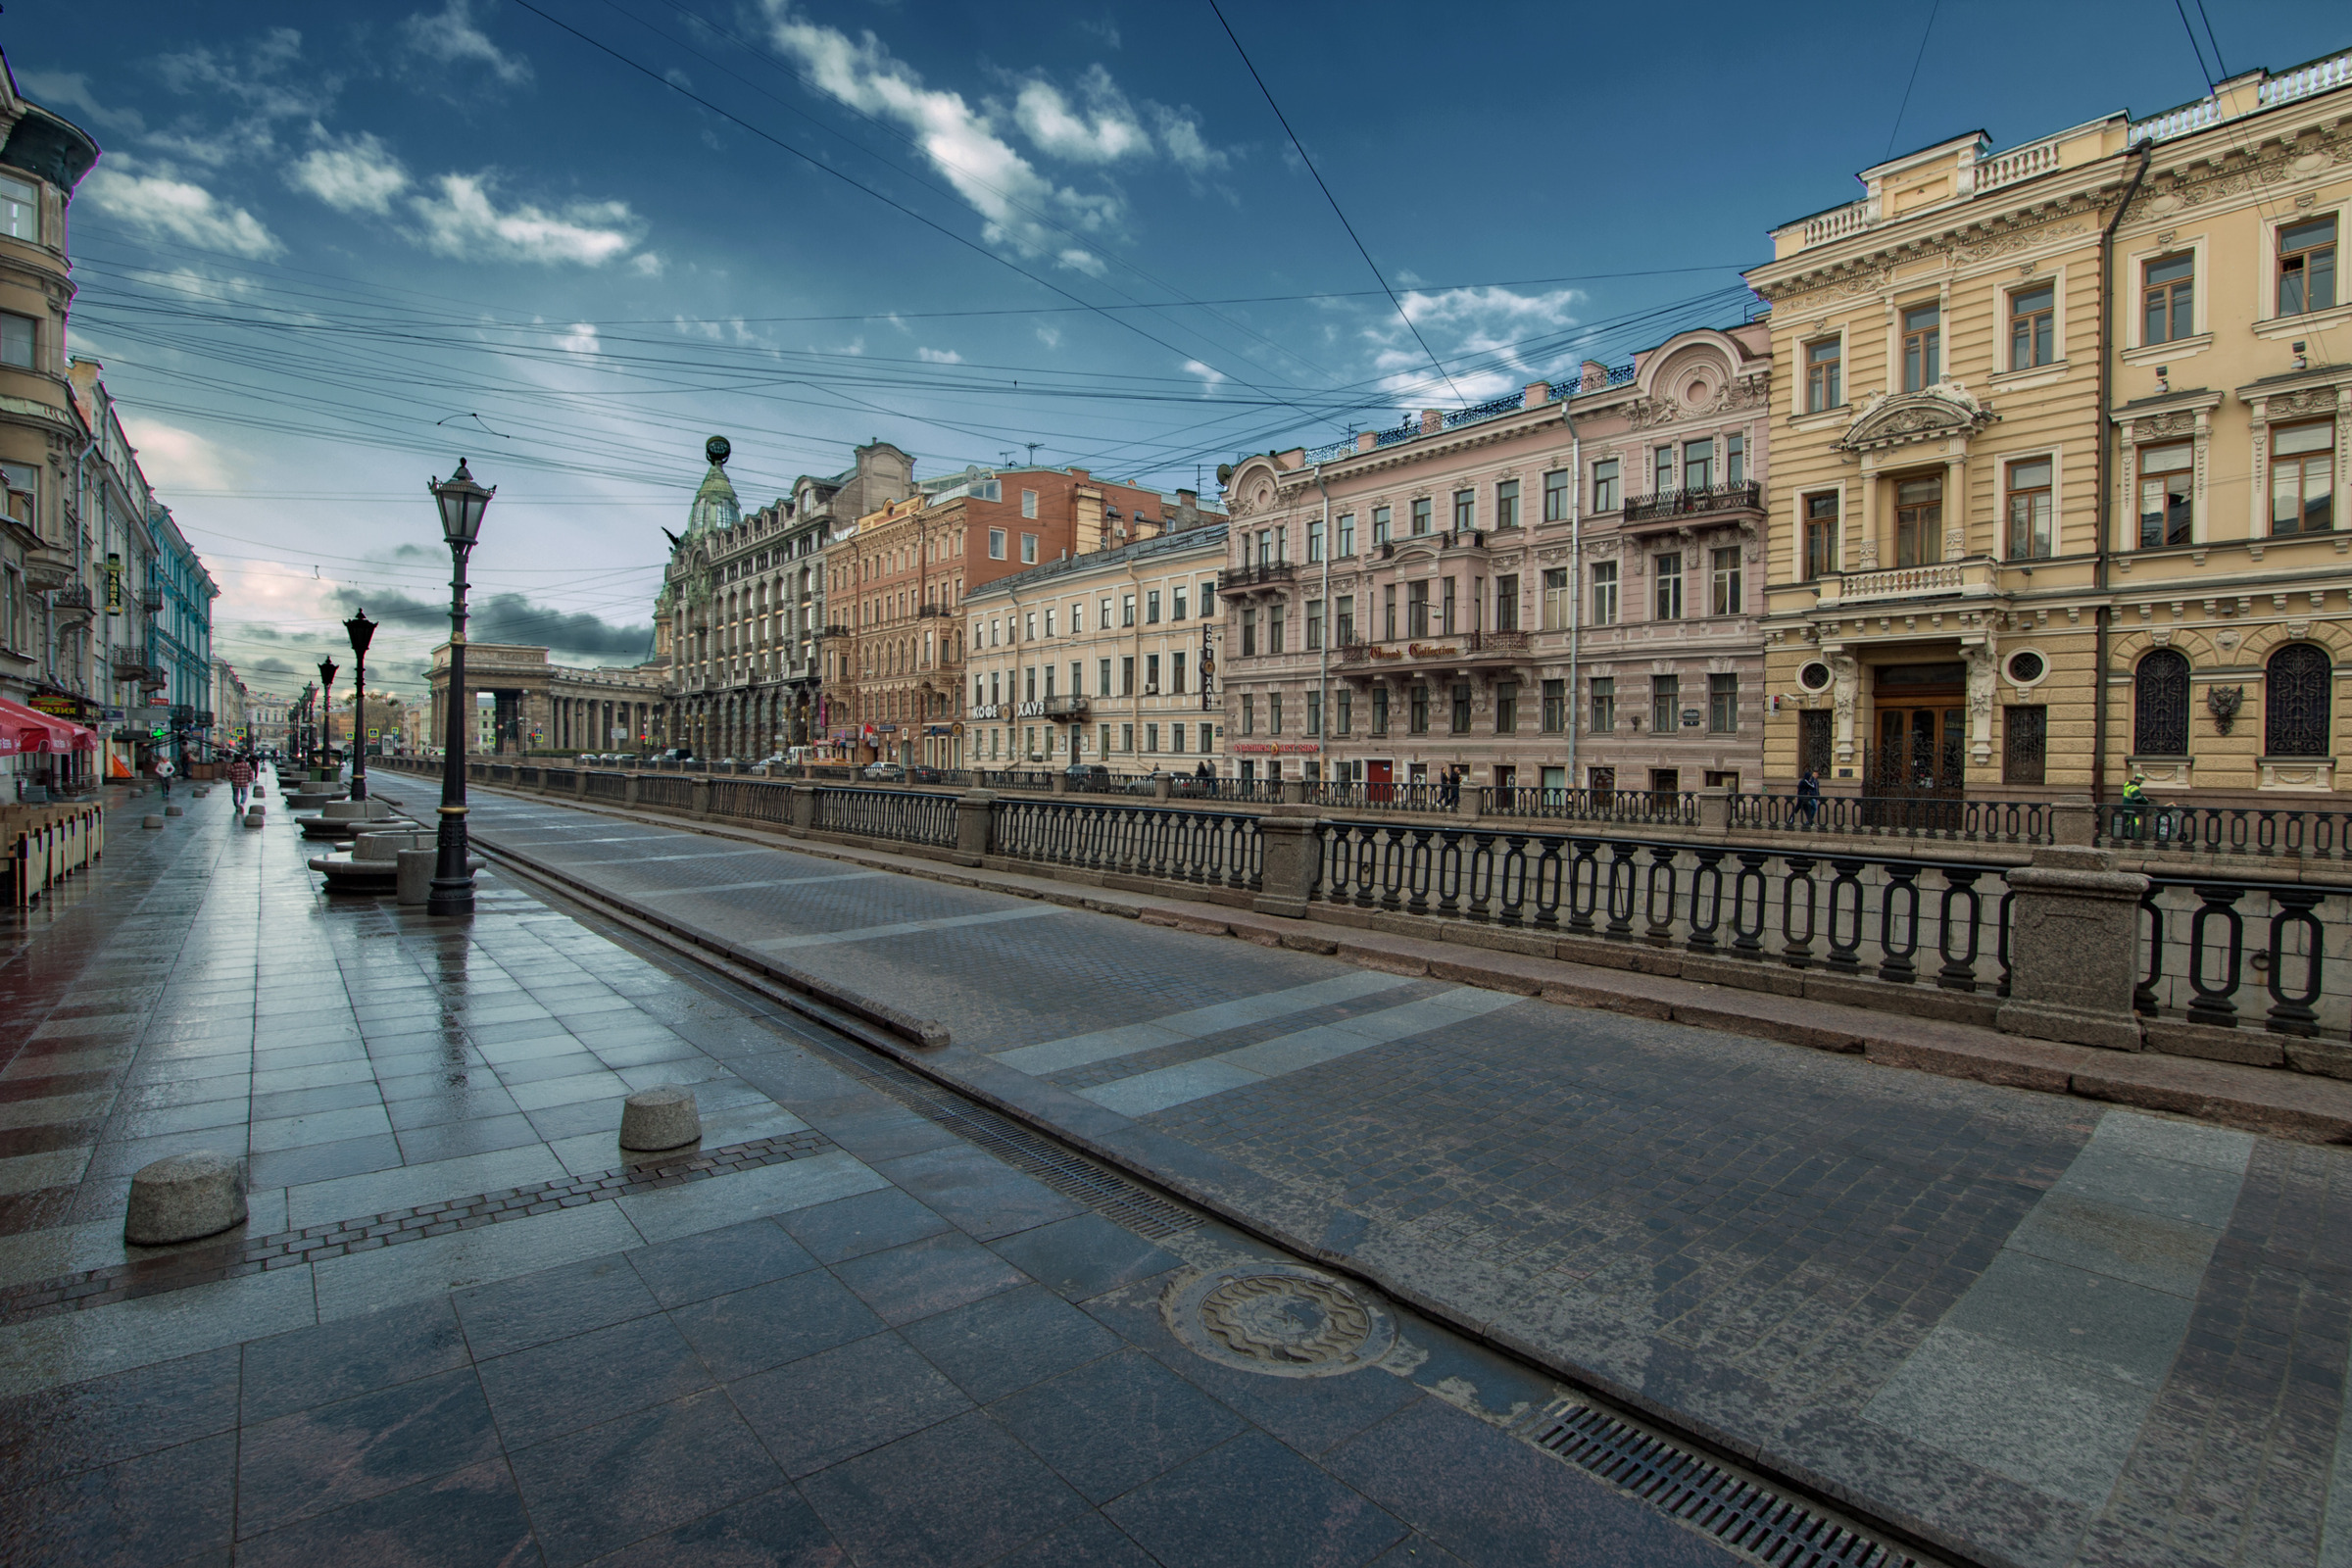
(327, 714)
(362, 631)
(461, 503)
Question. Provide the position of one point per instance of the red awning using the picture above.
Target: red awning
(29, 729)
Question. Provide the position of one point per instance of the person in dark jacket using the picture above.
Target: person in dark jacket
(1808, 797)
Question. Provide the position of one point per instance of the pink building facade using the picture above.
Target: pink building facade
(1557, 590)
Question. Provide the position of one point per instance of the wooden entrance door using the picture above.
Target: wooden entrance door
(1922, 743)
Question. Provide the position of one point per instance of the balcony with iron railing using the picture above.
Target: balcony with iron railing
(1723, 503)
(73, 604)
(1260, 578)
(151, 600)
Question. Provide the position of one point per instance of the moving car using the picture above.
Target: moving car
(890, 772)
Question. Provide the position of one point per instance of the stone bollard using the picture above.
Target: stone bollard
(659, 1118)
(151, 821)
(176, 811)
(2076, 949)
(1162, 786)
(184, 1197)
(2074, 822)
(1291, 861)
(1714, 809)
(801, 815)
(974, 813)
(415, 880)
(254, 819)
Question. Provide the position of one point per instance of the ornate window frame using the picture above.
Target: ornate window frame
(2191, 416)
(2320, 395)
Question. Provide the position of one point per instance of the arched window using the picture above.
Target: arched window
(2298, 690)
(2160, 705)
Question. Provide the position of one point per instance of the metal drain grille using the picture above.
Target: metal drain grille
(1735, 1510)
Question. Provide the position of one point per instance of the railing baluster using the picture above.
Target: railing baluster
(1959, 971)
(2295, 1015)
(1658, 902)
(2216, 1003)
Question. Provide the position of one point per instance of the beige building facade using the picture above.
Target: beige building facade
(2059, 453)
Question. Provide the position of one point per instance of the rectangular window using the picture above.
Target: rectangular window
(1077, 677)
(1343, 711)
(2033, 327)
(1380, 525)
(1048, 683)
(1506, 504)
(1421, 515)
(1723, 705)
(1923, 347)
(1506, 603)
(1379, 710)
(1029, 683)
(1446, 619)
(1723, 584)
(1555, 598)
(1554, 717)
(1208, 597)
(1028, 550)
(1314, 712)
(1175, 737)
(1274, 628)
(1102, 677)
(1150, 737)
(1460, 718)
(1669, 569)
(1465, 511)
(1048, 623)
(2025, 744)
(1605, 593)
(1282, 544)
(1605, 705)
(1126, 609)
(1151, 674)
(1029, 626)
(1416, 718)
(1344, 622)
(2307, 267)
(2303, 478)
(1606, 491)
(1127, 676)
(1661, 470)
(1176, 677)
(2163, 496)
(1315, 539)
(1273, 713)
(1102, 614)
(1665, 703)
(1028, 502)
(1126, 737)
(1314, 625)
(1556, 486)
(1387, 612)
(2029, 509)
(1919, 521)
(1176, 607)
(1821, 534)
(15, 340)
(1152, 608)
(2168, 298)
(20, 210)
(1824, 367)
(1698, 465)
(1347, 531)
(1416, 609)
(1248, 634)
(1506, 707)
(1103, 742)
(1735, 459)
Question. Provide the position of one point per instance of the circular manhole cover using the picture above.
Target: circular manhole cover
(1282, 1320)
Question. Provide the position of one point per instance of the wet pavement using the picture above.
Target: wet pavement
(459, 1327)
(2038, 1329)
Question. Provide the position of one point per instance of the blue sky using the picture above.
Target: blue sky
(331, 248)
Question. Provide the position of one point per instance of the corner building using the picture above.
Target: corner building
(2060, 455)
(1557, 589)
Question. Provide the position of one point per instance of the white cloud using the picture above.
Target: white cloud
(1187, 148)
(961, 142)
(173, 459)
(1491, 304)
(939, 355)
(167, 208)
(70, 90)
(1049, 336)
(1491, 324)
(646, 264)
(462, 220)
(451, 36)
(1209, 378)
(358, 175)
(581, 338)
(1105, 133)
(1080, 259)
(265, 78)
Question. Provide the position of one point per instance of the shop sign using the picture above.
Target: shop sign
(988, 711)
(114, 584)
(1279, 748)
(1429, 651)
(59, 704)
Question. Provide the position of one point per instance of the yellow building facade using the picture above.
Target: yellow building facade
(2060, 457)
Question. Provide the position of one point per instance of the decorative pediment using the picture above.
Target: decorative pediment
(1905, 418)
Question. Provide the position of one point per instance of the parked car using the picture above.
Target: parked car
(926, 775)
(890, 772)
(1087, 775)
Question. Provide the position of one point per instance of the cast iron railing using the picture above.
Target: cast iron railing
(1695, 502)
(675, 793)
(560, 778)
(751, 801)
(1212, 848)
(2235, 954)
(1649, 807)
(1962, 821)
(2226, 830)
(1015, 778)
(608, 787)
(908, 816)
(1359, 796)
(1897, 920)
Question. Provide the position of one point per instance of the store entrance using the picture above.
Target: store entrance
(1922, 741)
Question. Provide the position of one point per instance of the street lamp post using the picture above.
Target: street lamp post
(363, 633)
(461, 503)
(327, 714)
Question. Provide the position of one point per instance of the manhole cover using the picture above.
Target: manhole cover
(1282, 1320)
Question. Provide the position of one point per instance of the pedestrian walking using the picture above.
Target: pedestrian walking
(1449, 788)
(240, 780)
(2135, 806)
(1808, 797)
(162, 775)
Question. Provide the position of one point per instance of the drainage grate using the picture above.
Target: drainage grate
(1735, 1510)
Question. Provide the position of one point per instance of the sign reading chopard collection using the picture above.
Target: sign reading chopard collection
(1282, 748)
